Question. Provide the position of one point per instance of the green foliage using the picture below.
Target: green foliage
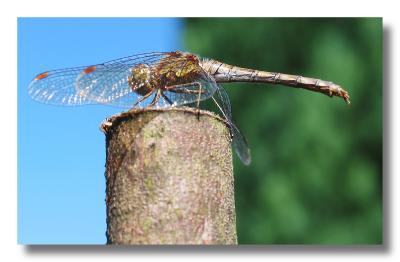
(316, 175)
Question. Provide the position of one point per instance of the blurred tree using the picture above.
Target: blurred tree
(316, 175)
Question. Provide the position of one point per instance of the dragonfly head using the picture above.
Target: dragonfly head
(139, 79)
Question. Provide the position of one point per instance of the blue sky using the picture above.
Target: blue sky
(61, 151)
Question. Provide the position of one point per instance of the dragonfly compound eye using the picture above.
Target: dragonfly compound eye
(139, 79)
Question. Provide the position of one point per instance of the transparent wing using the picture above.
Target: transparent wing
(239, 142)
(201, 88)
(105, 83)
(58, 87)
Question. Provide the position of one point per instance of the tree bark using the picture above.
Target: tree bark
(169, 178)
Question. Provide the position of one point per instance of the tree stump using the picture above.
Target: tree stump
(169, 178)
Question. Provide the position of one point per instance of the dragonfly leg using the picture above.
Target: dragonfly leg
(166, 98)
(199, 91)
(143, 98)
(227, 119)
(181, 88)
(198, 102)
(156, 98)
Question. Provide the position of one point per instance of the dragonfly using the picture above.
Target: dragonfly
(164, 79)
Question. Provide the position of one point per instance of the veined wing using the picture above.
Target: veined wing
(107, 84)
(58, 87)
(199, 89)
(104, 83)
(239, 141)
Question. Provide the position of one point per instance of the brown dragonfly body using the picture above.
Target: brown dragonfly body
(175, 73)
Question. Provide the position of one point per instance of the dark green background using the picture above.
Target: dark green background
(316, 175)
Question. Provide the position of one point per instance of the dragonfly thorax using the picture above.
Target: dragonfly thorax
(178, 68)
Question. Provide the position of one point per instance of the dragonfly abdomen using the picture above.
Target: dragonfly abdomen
(224, 73)
(313, 84)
